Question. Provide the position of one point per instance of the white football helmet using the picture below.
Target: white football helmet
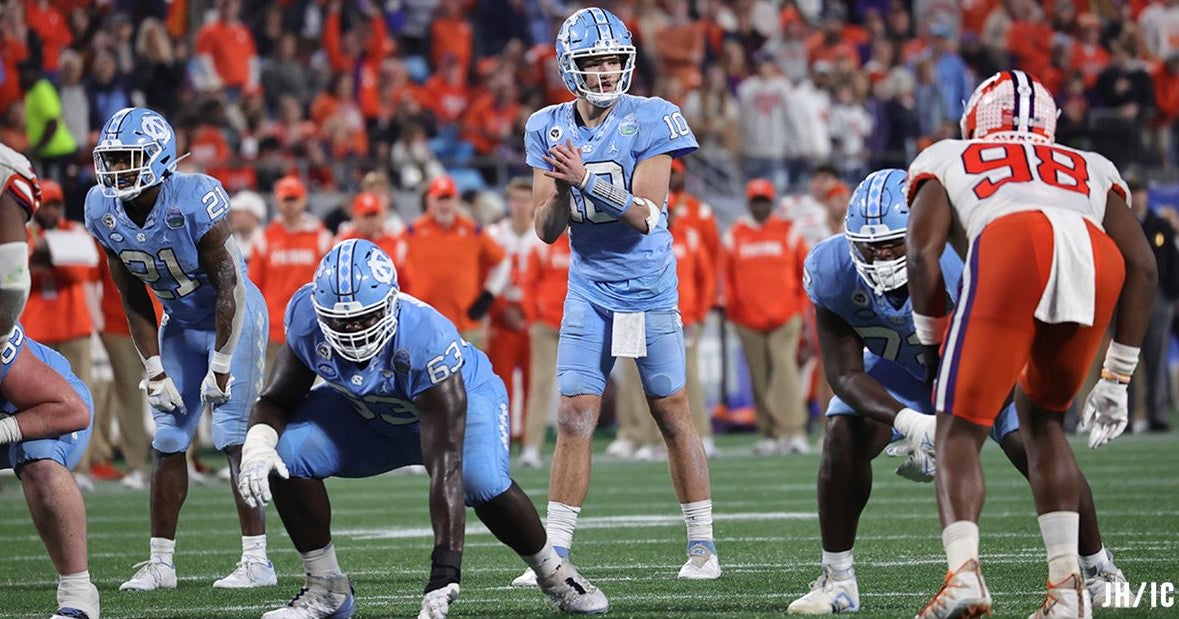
(1010, 106)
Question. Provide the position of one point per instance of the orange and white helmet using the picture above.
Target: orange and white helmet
(1013, 106)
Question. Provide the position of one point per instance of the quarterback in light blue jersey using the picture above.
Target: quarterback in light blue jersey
(877, 371)
(168, 230)
(400, 387)
(601, 167)
(45, 417)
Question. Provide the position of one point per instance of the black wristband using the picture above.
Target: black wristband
(445, 568)
(479, 308)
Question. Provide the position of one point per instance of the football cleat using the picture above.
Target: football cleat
(1067, 598)
(530, 458)
(964, 595)
(1099, 582)
(832, 592)
(710, 449)
(702, 564)
(250, 572)
(653, 452)
(322, 597)
(69, 613)
(153, 574)
(621, 448)
(769, 447)
(573, 593)
(527, 579)
(797, 445)
(135, 480)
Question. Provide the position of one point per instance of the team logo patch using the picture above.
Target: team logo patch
(629, 126)
(141, 237)
(323, 350)
(173, 218)
(555, 133)
(116, 237)
(585, 148)
(108, 220)
(860, 298)
(401, 361)
(357, 380)
(155, 127)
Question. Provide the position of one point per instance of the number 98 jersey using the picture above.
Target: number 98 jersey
(425, 350)
(987, 179)
(163, 253)
(603, 248)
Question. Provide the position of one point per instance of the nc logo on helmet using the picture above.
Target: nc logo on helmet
(155, 127)
(381, 267)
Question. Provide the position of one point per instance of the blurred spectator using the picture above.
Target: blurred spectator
(75, 104)
(1126, 96)
(499, 21)
(691, 212)
(809, 108)
(358, 52)
(12, 128)
(105, 88)
(15, 50)
(445, 94)
(451, 33)
(1153, 379)
(50, 26)
(225, 50)
(368, 222)
(377, 183)
(1166, 99)
(50, 139)
(1160, 27)
(159, 74)
(285, 254)
(412, 159)
(680, 44)
(764, 106)
(1088, 55)
(850, 127)
(953, 78)
(247, 210)
(490, 119)
(929, 104)
(284, 74)
(545, 282)
(713, 113)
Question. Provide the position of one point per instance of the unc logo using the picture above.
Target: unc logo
(155, 127)
(381, 267)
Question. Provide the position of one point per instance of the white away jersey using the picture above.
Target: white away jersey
(986, 179)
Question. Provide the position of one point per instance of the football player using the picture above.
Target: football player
(169, 230)
(1050, 251)
(401, 388)
(856, 281)
(601, 166)
(45, 411)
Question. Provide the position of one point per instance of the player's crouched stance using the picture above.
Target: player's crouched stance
(45, 415)
(402, 388)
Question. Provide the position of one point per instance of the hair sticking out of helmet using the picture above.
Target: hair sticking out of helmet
(1010, 106)
(136, 150)
(355, 298)
(877, 218)
(595, 34)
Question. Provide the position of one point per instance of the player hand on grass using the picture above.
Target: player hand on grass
(436, 604)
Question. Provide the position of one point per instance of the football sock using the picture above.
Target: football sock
(961, 542)
(1091, 563)
(321, 562)
(254, 546)
(1059, 530)
(162, 549)
(545, 562)
(76, 591)
(838, 562)
(698, 518)
(560, 522)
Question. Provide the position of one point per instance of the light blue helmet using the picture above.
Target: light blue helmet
(143, 141)
(594, 32)
(878, 212)
(355, 299)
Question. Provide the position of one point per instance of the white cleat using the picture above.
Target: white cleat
(135, 480)
(573, 593)
(409, 470)
(1067, 598)
(153, 574)
(710, 449)
(250, 572)
(225, 474)
(85, 484)
(527, 579)
(621, 448)
(964, 595)
(833, 592)
(797, 445)
(322, 597)
(653, 452)
(702, 564)
(530, 458)
(196, 477)
(1100, 582)
(769, 447)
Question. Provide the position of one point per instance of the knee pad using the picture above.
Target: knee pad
(484, 484)
(169, 440)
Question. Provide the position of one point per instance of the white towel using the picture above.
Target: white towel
(1069, 295)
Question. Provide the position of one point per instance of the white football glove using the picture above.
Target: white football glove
(919, 465)
(162, 394)
(211, 393)
(1106, 412)
(436, 604)
(916, 445)
(259, 458)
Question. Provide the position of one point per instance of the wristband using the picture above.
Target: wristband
(445, 568)
(220, 362)
(260, 435)
(653, 213)
(607, 197)
(1121, 359)
(1121, 379)
(930, 329)
(152, 366)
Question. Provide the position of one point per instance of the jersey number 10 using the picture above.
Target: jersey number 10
(1057, 167)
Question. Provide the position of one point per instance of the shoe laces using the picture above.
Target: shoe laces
(149, 568)
(826, 581)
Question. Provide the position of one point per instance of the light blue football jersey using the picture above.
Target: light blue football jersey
(606, 251)
(425, 350)
(831, 282)
(163, 253)
(20, 343)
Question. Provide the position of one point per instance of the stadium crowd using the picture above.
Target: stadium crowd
(792, 102)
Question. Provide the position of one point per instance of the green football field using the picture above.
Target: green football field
(629, 541)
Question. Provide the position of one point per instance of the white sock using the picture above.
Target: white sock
(1059, 530)
(560, 522)
(960, 539)
(162, 549)
(76, 591)
(839, 562)
(321, 562)
(254, 546)
(1095, 560)
(698, 518)
(545, 562)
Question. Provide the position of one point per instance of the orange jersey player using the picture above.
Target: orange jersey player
(1051, 249)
